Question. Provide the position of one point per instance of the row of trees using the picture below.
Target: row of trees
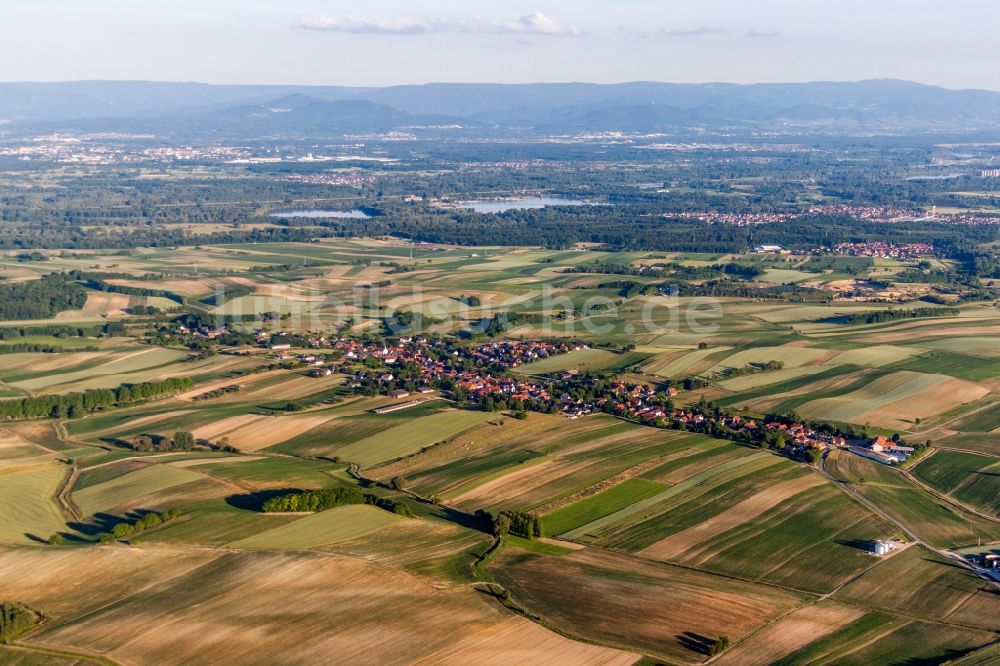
(750, 369)
(792, 293)
(98, 281)
(519, 523)
(10, 333)
(72, 405)
(181, 441)
(126, 529)
(879, 316)
(39, 347)
(329, 498)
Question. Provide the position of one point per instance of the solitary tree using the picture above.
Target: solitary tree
(183, 440)
(721, 645)
(501, 526)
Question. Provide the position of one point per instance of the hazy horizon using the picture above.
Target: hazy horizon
(361, 86)
(391, 42)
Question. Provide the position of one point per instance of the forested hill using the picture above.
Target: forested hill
(883, 105)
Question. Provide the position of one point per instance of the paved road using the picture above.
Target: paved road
(986, 575)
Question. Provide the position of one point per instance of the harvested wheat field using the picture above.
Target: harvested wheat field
(532, 429)
(217, 429)
(262, 433)
(937, 399)
(576, 461)
(17, 451)
(929, 332)
(769, 401)
(99, 304)
(850, 407)
(791, 356)
(235, 607)
(666, 611)
(791, 633)
(49, 578)
(291, 386)
(228, 381)
(529, 472)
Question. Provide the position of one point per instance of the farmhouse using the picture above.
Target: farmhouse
(877, 456)
(890, 450)
(880, 444)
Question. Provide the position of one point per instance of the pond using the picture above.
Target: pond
(517, 204)
(320, 213)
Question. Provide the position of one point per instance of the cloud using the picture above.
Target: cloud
(532, 24)
(368, 25)
(704, 31)
(700, 31)
(536, 24)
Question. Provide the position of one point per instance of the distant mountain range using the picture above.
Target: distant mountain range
(876, 106)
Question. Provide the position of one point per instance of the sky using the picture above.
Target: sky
(387, 42)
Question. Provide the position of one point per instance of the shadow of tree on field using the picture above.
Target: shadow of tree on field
(254, 501)
(696, 642)
(946, 656)
(99, 522)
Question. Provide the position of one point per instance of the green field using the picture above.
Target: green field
(321, 529)
(935, 588)
(679, 366)
(655, 540)
(584, 359)
(791, 357)
(105, 371)
(887, 639)
(968, 477)
(984, 420)
(275, 472)
(602, 528)
(597, 506)
(129, 487)
(410, 437)
(759, 379)
(530, 464)
(29, 511)
(874, 356)
(947, 470)
(930, 519)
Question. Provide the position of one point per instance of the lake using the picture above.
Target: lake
(517, 204)
(352, 214)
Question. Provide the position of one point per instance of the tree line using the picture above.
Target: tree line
(71, 405)
(41, 348)
(329, 498)
(880, 316)
(98, 282)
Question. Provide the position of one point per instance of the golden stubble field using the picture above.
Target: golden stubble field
(205, 606)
